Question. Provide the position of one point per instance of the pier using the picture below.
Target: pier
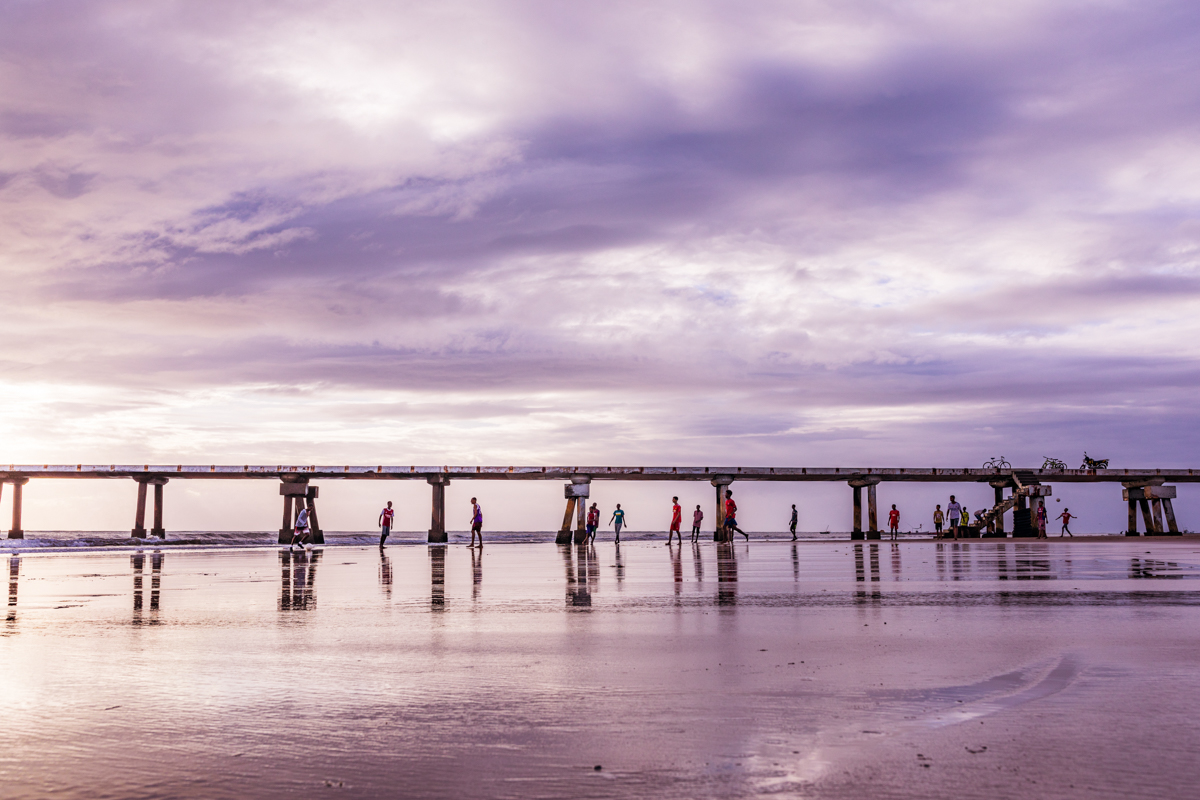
(1148, 491)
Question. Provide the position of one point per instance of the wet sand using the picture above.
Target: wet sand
(839, 669)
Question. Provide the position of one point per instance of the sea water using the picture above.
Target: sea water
(815, 669)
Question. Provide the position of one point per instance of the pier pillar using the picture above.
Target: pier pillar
(139, 516)
(1155, 503)
(18, 484)
(872, 514)
(1131, 524)
(721, 483)
(998, 488)
(292, 490)
(1156, 514)
(1146, 518)
(310, 497)
(581, 507)
(564, 533)
(856, 531)
(158, 483)
(437, 518)
(1169, 512)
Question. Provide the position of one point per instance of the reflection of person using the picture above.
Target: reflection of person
(618, 521)
(385, 523)
(731, 515)
(894, 521)
(476, 523)
(697, 518)
(676, 521)
(795, 521)
(300, 534)
(1066, 518)
(593, 521)
(1041, 519)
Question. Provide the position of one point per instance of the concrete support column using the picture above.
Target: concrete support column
(1169, 513)
(999, 496)
(1156, 514)
(292, 490)
(310, 497)
(564, 533)
(15, 532)
(721, 483)
(1146, 518)
(139, 516)
(437, 517)
(1132, 530)
(158, 529)
(856, 531)
(580, 488)
(872, 514)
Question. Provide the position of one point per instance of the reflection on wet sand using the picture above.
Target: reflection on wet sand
(385, 573)
(860, 572)
(476, 572)
(620, 565)
(138, 561)
(697, 562)
(677, 567)
(298, 579)
(14, 572)
(727, 574)
(437, 576)
(582, 572)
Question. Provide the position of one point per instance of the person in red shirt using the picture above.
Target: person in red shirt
(731, 515)
(894, 521)
(697, 518)
(385, 523)
(676, 521)
(1066, 518)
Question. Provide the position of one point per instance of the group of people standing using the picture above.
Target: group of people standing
(957, 518)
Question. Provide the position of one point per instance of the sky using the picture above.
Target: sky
(672, 233)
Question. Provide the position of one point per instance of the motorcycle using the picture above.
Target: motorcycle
(1093, 463)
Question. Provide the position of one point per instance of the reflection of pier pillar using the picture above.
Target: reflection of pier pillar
(437, 518)
(437, 576)
(14, 574)
(18, 484)
(722, 483)
(726, 575)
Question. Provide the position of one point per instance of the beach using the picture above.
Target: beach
(816, 669)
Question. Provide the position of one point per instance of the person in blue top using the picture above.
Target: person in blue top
(618, 521)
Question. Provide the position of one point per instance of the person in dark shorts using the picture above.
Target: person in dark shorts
(676, 521)
(1066, 518)
(697, 518)
(731, 515)
(476, 523)
(795, 521)
(300, 533)
(385, 523)
(593, 522)
(938, 519)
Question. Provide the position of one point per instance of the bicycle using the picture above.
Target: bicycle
(1053, 463)
(997, 463)
(1093, 463)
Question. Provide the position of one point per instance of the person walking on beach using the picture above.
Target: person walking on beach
(676, 521)
(618, 521)
(894, 521)
(964, 521)
(954, 512)
(1041, 519)
(697, 518)
(938, 519)
(731, 515)
(476, 523)
(593, 522)
(385, 523)
(300, 533)
(1066, 518)
(795, 521)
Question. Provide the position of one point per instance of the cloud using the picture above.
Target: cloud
(687, 231)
